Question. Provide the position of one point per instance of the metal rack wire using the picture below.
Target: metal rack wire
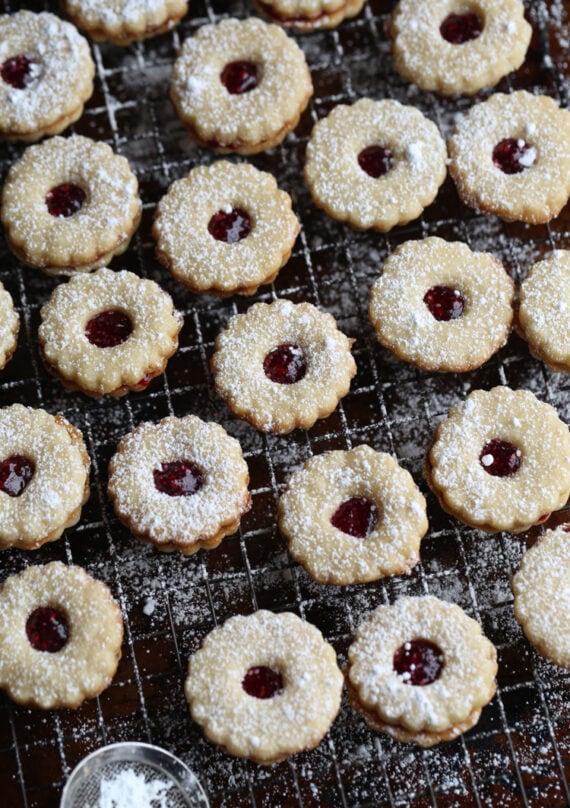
(519, 753)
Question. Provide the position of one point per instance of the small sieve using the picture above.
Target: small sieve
(112, 767)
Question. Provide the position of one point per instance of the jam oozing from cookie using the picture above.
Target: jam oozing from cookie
(375, 161)
(444, 302)
(108, 328)
(262, 682)
(17, 71)
(285, 364)
(500, 458)
(65, 200)
(16, 472)
(178, 478)
(356, 516)
(240, 77)
(230, 226)
(513, 156)
(459, 28)
(418, 662)
(47, 629)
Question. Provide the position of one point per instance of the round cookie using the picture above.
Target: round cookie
(124, 21)
(277, 692)
(225, 229)
(282, 365)
(543, 312)
(46, 75)
(500, 460)
(542, 595)
(69, 205)
(9, 326)
(60, 636)
(375, 164)
(240, 85)
(309, 15)
(180, 484)
(108, 333)
(440, 306)
(353, 517)
(450, 46)
(44, 476)
(420, 670)
(510, 156)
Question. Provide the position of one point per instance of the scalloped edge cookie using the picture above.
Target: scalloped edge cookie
(309, 15)
(9, 326)
(122, 21)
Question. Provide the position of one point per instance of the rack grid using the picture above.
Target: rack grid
(519, 752)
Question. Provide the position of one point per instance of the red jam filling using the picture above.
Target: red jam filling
(108, 328)
(17, 71)
(459, 28)
(47, 629)
(240, 77)
(262, 682)
(356, 516)
(500, 458)
(16, 472)
(65, 200)
(179, 478)
(418, 662)
(230, 227)
(285, 364)
(444, 302)
(375, 161)
(508, 154)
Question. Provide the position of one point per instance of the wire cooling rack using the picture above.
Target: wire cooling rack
(519, 752)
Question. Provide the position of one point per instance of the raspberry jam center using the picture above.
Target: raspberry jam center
(356, 516)
(444, 302)
(459, 28)
(47, 629)
(230, 226)
(65, 200)
(179, 478)
(240, 77)
(285, 364)
(262, 682)
(513, 156)
(16, 472)
(375, 161)
(17, 71)
(500, 458)
(108, 328)
(418, 662)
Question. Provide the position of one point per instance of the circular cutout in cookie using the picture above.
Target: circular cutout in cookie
(262, 682)
(179, 478)
(512, 156)
(16, 472)
(375, 160)
(444, 302)
(285, 364)
(17, 71)
(240, 77)
(109, 328)
(230, 225)
(47, 629)
(65, 199)
(357, 517)
(500, 458)
(419, 662)
(460, 28)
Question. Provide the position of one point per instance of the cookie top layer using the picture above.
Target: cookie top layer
(125, 21)
(9, 326)
(452, 47)
(309, 15)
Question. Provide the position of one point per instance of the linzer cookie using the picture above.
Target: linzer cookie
(124, 21)
(240, 85)
(276, 693)
(543, 313)
(352, 517)
(510, 155)
(108, 333)
(46, 75)
(282, 365)
(500, 460)
(225, 229)
(375, 164)
(180, 484)
(542, 595)
(60, 636)
(9, 326)
(44, 476)
(450, 46)
(309, 15)
(440, 306)
(69, 205)
(420, 670)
